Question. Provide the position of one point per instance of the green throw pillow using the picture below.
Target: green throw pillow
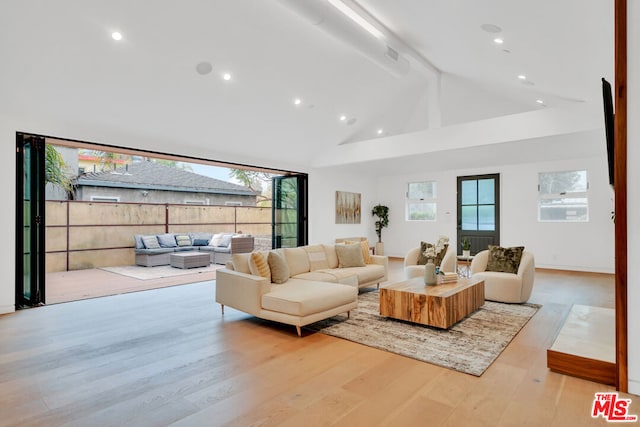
(505, 260)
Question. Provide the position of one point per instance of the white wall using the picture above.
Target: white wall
(633, 194)
(573, 246)
(323, 184)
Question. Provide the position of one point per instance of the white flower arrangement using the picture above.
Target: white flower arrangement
(433, 251)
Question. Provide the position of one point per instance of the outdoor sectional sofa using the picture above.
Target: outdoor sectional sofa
(313, 287)
(155, 249)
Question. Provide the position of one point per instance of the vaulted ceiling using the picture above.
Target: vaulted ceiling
(61, 63)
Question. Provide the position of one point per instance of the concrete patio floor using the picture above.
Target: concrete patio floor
(76, 285)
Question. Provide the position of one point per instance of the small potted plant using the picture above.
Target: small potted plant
(382, 212)
(466, 247)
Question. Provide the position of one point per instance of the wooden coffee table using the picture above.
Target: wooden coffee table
(441, 305)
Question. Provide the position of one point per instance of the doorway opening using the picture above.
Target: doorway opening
(79, 206)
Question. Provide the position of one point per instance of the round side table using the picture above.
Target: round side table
(464, 265)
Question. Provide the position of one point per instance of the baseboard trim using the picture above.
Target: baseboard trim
(582, 367)
(6, 309)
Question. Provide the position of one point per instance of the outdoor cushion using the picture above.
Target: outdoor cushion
(167, 240)
(183, 240)
(200, 242)
(156, 251)
(215, 240)
(138, 239)
(150, 242)
(225, 240)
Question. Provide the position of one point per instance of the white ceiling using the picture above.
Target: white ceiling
(60, 63)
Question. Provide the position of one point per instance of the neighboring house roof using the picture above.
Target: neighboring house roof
(156, 176)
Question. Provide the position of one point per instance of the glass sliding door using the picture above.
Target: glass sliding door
(289, 211)
(30, 195)
(479, 211)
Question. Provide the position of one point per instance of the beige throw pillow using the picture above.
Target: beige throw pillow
(279, 268)
(317, 257)
(364, 244)
(258, 265)
(350, 256)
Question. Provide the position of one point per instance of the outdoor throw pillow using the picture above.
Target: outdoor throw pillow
(215, 240)
(167, 241)
(150, 242)
(183, 240)
(258, 265)
(225, 240)
(279, 268)
(364, 244)
(350, 256)
(505, 260)
(200, 242)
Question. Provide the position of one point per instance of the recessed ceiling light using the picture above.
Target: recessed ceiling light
(540, 101)
(498, 40)
(490, 28)
(380, 131)
(297, 101)
(343, 118)
(226, 76)
(522, 77)
(204, 68)
(116, 36)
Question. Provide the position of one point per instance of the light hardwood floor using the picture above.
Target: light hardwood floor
(168, 357)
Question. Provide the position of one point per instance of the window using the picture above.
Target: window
(233, 203)
(562, 196)
(421, 201)
(195, 202)
(105, 199)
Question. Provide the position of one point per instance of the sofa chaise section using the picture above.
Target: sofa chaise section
(316, 287)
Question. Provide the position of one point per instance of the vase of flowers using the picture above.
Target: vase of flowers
(429, 267)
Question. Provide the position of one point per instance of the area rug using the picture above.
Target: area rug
(470, 346)
(160, 271)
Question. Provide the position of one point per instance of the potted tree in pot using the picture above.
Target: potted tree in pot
(382, 212)
(466, 247)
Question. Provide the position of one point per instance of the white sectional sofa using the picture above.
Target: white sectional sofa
(316, 287)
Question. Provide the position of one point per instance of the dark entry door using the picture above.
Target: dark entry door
(30, 236)
(479, 211)
(289, 211)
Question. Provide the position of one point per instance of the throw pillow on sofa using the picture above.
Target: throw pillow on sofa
(258, 265)
(350, 256)
(167, 241)
(317, 257)
(505, 260)
(183, 240)
(150, 242)
(215, 240)
(200, 242)
(364, 244)
(225, 240)
(279, 268)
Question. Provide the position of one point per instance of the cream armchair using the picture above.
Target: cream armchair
(505, 287)
(412, 269)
